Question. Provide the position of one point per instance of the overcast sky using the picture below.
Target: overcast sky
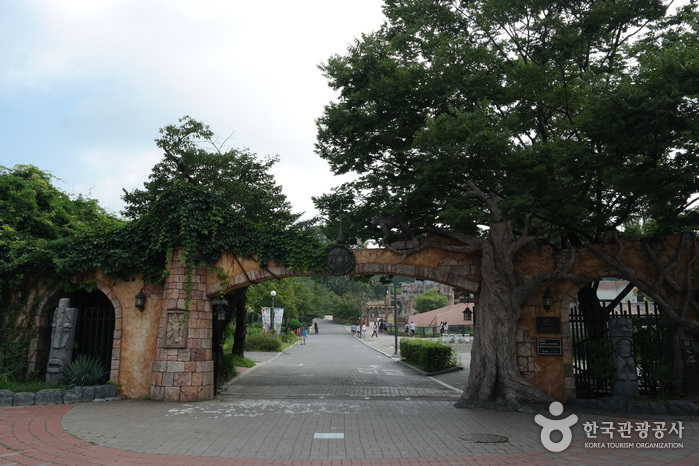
(86, 84)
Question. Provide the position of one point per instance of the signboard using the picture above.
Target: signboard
(549, 346)
(548, 325)
(266, 317)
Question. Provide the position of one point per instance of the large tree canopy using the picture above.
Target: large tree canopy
(522, 120)
(583, 114)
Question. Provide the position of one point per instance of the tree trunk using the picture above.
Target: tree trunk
(495, 379)
(239, 302)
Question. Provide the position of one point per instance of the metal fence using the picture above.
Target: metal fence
(592, 349)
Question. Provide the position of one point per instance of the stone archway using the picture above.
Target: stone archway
(179, 359)
(110, 327)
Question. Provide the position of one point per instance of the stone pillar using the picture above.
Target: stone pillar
(183, 368)
(62, 337)
(625, 377)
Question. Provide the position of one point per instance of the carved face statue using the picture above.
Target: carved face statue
(62, 338)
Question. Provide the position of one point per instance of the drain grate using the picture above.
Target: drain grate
(484, 438)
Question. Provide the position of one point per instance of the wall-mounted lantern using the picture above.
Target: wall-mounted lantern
(548, 299)
(140, 300)
(468, 314)
(220, 308)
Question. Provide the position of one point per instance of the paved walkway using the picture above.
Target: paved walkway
(335, 401)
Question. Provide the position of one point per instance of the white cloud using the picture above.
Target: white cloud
(85, 85)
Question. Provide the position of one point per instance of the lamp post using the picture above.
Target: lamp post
(395, 320)
(271, 313)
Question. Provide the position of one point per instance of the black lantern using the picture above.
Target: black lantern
(548, 299)
(468, 314)
(220, 308)
(140, 300)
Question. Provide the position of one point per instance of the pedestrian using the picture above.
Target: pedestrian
(304, 332)
(354, 329)
(412, 328)
(315, 327)
(375, 332)
(407, 329)
(441, 328)
(363, 330)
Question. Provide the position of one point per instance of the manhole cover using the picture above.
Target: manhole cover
(484, 438)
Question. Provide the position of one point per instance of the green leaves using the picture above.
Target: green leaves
(201, 197)
(582, 114)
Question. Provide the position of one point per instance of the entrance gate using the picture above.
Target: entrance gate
(592, 358)
(94, 334)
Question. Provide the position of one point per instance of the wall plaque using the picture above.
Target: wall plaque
(548, 325)
(176, 330)
(549, 346)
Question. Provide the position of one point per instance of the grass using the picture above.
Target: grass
(28, 385)
(239, 361)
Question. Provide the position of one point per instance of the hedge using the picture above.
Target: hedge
(431, 356)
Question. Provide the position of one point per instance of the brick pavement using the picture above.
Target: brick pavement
(334, 401)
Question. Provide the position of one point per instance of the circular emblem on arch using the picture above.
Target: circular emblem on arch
(339, 260)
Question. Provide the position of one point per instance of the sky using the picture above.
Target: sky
(85, 85)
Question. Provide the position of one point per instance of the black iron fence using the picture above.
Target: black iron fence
(94, 334)
(592, 350)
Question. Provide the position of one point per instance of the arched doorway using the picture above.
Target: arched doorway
(94, 329)
(609, 313)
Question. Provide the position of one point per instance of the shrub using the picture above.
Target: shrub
(84, 370)
(294, 324)
(226, 369)
(431, 356)
(263, 343)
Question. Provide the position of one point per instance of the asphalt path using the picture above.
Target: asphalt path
(334, 365)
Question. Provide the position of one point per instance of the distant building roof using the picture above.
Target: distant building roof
(452, 315)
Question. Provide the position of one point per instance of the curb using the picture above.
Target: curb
(58, 396)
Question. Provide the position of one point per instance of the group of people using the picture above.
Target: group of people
(303, 332)
(360, 330)
(443, 328)
(410, 329)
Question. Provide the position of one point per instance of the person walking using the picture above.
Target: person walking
(412, 328)
(375, 333)
(304, 332)
(363, 330)
(315, 327)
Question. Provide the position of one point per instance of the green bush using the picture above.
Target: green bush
(226, 369)
(294, 324)
(263, 343)
(84, 370)
(430, 356)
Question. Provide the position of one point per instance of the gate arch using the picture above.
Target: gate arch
(455, 270)
(110, 356)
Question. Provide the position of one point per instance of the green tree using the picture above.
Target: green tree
(429, 301)
(207, 199)
(36, 221)
(346, 307)
(499, 124)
